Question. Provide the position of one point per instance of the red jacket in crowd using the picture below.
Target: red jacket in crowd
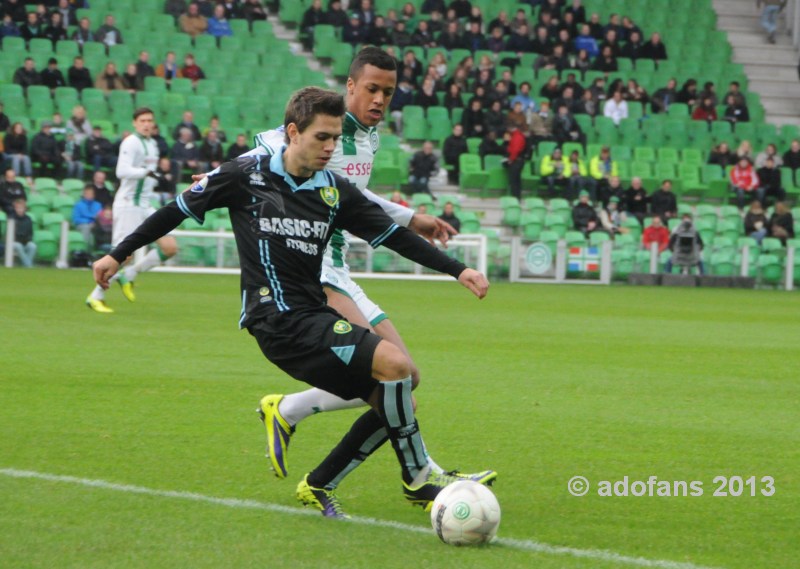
(745, 178)
(658, 235)
(516, 146)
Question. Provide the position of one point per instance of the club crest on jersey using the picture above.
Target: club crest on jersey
(342, 327)
(330, 195)
(257, 179)
(373, 140)
(199, 186)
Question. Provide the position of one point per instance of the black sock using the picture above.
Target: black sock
(365, 436)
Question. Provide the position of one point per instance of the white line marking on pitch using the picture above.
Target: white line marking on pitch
(520, 544)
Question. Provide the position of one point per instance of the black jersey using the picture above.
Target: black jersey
(282, 229)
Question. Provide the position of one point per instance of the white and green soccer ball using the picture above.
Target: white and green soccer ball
(465, 513)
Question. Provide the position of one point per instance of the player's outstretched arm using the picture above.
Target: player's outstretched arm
(475, 281)
(431, 228)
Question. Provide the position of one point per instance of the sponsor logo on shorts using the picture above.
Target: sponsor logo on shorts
(263, 291)
(342, 327)
(329, 195)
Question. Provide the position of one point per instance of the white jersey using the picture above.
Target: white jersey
(352, 159)
(137, 156)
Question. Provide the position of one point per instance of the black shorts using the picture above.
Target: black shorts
(320, 347)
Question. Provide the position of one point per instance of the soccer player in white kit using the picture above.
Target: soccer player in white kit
(370, 86)
(136, 170)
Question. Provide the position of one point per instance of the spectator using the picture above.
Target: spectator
(71, 153)
(44, 149)
(769, 179)
(567, 98)
(402, 97)
(584, 217)
(354, 32)
(102, 191)
(24, 246)
(51, 75)
(336, 16)
(99, 150)
(616, 108)
(312, 17)
(706, 111)
(586, 41)
(541, 123)
(185, 153)
(84, 215)
(104, 224)
(218, 25)
(745, 150)
(524, 97)
(67, 12)
(664, 97)
(426, 96)
(108, 33)
(686, 245)
(635, 93)
(55, 30)
(166, 188)
(27, 75)
(5, 123)
(756, 222)
(769, 16)
(400, 36)
(191, 70)
(606, 62)
(454, 146)
(791, 158)
(169, 68)
(449, 216)
(656, 232)
(143, 67)
(411, 63)
(688, 93)
(553, 169)
(16, 144)
(237, 148)
(517, 118)
(472, 119)
(517, 156)
(735, 89)
(33, 28)
(490, 145)
(214, 126)
(496, 42)
(78, 76)
(781, 224)
(211, 154)
(462, 8)
(722, 155)
(603, 168)
(577, 10)
(254, 10)
(131, 80)
(422, 167)
(452, 98)
(429, 6)
(10, 191)
(577, 175)
(15, 10)
(175, 8)
(611, 219)
(187, 122)
(83, 34)
(494, 120)
(519, 42)
(633, 47)
(566, 128)
(581, 61)
(161, 142)
(663, 202)
(79, 124)
(736, 112)
(109, 80)
(366, 12)
(771, 151)
(636, 200)
(744, 180)
(709, 91)
(193, 22)
(59, 127)
(397, 197)
(654, 49)
(8, 29)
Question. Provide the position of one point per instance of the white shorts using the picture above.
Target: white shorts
(126, 220)
(338, 278)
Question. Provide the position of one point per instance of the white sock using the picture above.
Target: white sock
(98, 293)
(420, 477)
(150, 260)
(435, 467)
(297, 406)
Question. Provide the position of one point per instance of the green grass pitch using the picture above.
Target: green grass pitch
(540, 383)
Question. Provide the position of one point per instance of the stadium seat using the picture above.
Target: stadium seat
(512, 212)
(531, 225)
(770, 269)
(46, 246)
(471, 171)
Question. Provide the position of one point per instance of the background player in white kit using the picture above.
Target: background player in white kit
(136, 167)
(371, 83)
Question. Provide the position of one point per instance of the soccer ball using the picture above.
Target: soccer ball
(465, 513)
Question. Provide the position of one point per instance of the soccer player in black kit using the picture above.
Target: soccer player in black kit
(283, 208)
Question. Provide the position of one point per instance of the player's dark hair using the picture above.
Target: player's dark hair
(309, 102)
(374, 56)
(142, 111)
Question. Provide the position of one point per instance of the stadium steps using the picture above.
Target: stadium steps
(771, 69)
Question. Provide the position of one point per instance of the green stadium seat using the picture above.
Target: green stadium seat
(770, 269)
(556, 223)
(46, 246)
(531, 225)
(471, 171)
(512, 212)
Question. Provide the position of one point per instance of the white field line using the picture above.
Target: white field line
(519, 544)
